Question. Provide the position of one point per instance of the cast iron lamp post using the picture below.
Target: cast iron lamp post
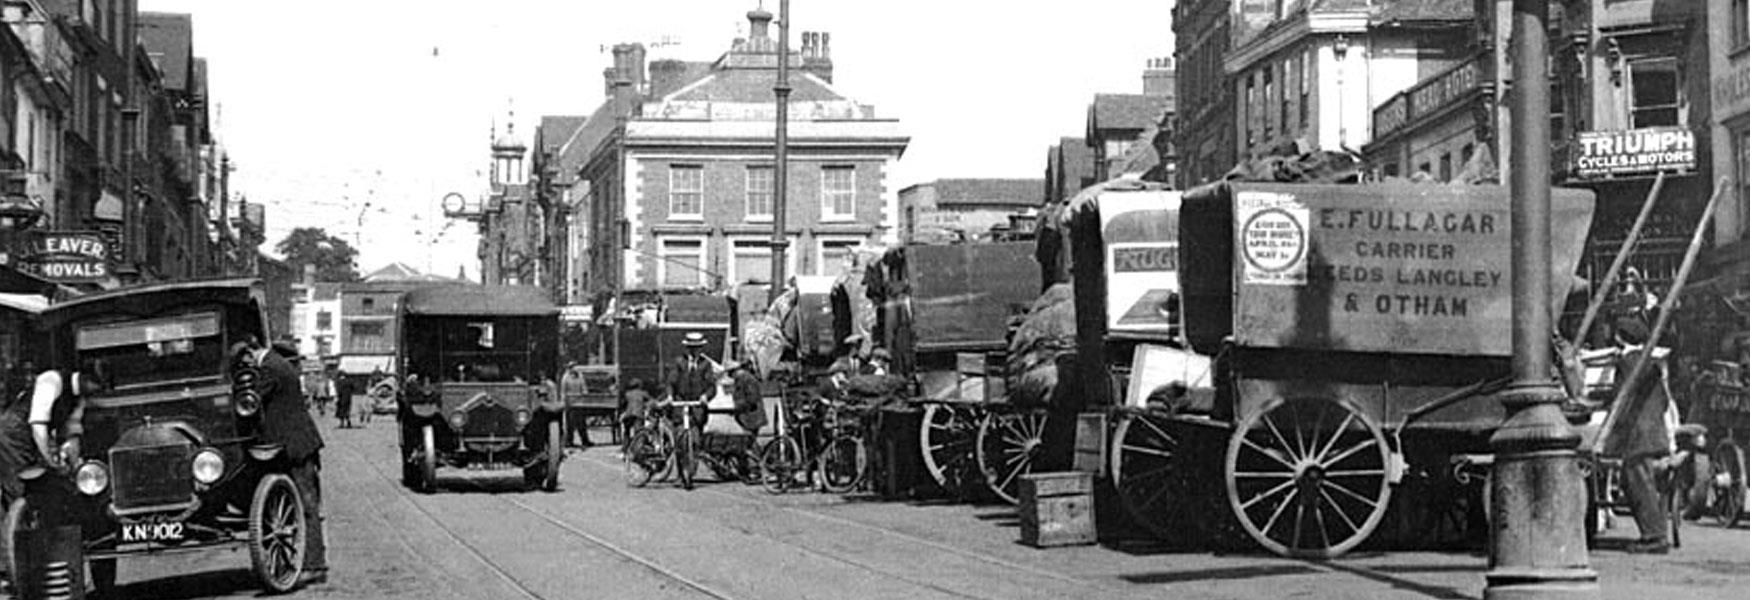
(1537, 544)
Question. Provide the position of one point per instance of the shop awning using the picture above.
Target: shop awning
(365, 365)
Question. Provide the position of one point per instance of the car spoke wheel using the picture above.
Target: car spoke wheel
(1308, 478)
(1008, 444)
(948, 438)
(843, 464)
(277, 533)
(780, 463)
(1148, 472)
(555, 455)
(1729, 484)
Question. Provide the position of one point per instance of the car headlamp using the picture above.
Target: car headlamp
(208, 466)
(91, 478)
(458, 419)
(522, 417)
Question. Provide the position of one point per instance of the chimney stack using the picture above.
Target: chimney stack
(758, 19)
(1159, 77)
(816, 57)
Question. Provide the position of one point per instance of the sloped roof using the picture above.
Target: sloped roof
(169, 39)
(396, 272)
(1016, 192)
(1126, 111)
(471, 299)
(325, 291)
(752, 86)
(555, 130)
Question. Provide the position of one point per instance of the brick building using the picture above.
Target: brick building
(677, 175)
(1205, 95)
(968, 208)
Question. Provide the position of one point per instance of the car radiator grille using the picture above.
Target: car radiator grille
(490, 419)
(151, 475)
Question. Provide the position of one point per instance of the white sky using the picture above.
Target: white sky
(327, 105)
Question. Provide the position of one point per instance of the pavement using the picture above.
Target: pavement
(483, 536)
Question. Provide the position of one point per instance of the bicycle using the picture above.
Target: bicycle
(686, 443)
(835, 452)
(649, 449)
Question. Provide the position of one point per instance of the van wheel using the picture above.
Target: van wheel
(428, 460)
(277, 533)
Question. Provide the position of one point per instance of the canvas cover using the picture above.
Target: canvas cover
(1393, 268)
(1047, 332)
(963, 295)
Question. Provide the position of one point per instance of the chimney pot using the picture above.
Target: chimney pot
(825, 50)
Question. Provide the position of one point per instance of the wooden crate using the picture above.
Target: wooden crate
(1057, 509)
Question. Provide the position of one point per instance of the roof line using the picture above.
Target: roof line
(688, 87)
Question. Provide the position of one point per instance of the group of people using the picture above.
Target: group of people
(695, 376)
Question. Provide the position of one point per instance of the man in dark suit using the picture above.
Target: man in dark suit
(1642, 438)
(693, 377)
(286, 421)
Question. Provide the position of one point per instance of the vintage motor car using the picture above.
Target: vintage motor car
(170, 459)
(481, 365)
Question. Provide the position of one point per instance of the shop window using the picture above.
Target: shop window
(759, 193)
(681, 262)
(1446, 167)
(1655, 93)
(686, 191)
(838, 192)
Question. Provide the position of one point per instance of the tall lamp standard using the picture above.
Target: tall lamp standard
(1537, 546)
(781, 170)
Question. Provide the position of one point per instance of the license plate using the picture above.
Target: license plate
(164, 531)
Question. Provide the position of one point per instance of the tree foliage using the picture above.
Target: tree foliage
(333, 257)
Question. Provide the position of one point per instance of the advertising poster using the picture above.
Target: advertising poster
(1141, 233)
(1272, 230)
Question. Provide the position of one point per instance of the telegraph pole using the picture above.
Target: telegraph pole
(781, 170)
(1537, 544)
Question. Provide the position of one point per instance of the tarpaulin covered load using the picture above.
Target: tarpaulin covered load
(962, 295)
(1367, 268)
(800, 319)
(1048, 331)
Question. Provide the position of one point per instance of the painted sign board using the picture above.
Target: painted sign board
(69, 256)
(1141, 233)
(1398, 268)
(1634, 152)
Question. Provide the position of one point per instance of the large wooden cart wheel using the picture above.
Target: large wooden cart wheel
(1146, 469)
(948, 437)
(1308, 477)
(1008, 444)
(277, 533)
(1729, 484)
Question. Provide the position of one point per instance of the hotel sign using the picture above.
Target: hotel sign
(1428, 97)
(1633, 152)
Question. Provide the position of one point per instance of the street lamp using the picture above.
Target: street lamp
(1537, 546)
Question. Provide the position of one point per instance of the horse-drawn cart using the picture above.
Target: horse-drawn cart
(1357, 334)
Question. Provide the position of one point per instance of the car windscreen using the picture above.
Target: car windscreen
(137, 352)
(481, 349)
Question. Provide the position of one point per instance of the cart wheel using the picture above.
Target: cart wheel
(843, 463)
(276, 533)
(1008, 443)
(1146, 469)
(645, 456)
(427, 460)
(948, 437)
(1332, 485)
(1729, 484)
(779, 464)
(686, 456)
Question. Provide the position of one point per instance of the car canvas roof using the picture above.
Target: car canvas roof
(471, 300)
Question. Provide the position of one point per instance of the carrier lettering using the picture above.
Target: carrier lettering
(1421, 306)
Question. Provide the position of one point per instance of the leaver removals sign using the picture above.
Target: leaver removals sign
(1273, 238)
(1634, 152)
(69, 256)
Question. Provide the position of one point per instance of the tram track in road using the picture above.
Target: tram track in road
(899, 535)
(503, 574)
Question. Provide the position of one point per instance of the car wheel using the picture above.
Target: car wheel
(428, 460)
(277, 533)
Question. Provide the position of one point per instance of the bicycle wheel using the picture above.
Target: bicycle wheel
(644, 457)
(842, 464)
(686, 456)
(779, 462)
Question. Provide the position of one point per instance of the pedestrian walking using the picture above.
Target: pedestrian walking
(343, 401)
(1642, 435)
